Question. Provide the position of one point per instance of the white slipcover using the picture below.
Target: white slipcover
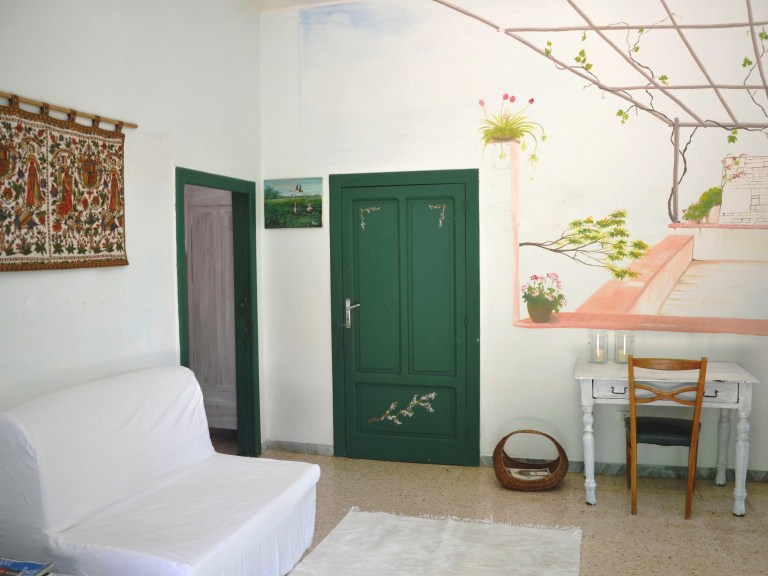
(119, 477)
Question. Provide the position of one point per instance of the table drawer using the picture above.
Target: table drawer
(718, 392)
(714, 392)
(610, 389)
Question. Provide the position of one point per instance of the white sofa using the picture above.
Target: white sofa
(118, 477)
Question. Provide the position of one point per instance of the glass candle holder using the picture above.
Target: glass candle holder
(623, 344)
(598, 347)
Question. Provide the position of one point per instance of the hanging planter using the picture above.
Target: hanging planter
(506, 126)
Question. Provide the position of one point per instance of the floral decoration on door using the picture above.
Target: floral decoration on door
(424, 401)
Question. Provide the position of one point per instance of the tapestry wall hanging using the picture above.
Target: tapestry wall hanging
(61, 192)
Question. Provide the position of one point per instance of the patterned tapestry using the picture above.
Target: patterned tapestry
(61, 193)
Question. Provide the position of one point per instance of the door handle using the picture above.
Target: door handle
(348, 306)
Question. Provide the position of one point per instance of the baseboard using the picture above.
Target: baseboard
(299, 447)
(601, 468)
(655, 471)
(652, 471)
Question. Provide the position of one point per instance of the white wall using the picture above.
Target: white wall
(393, 85)
(186, 71)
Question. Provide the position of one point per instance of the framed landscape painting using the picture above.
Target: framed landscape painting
(293, 203)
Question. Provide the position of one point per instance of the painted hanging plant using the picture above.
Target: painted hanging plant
(507, 125)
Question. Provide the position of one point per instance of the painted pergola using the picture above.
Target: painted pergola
(675, 93)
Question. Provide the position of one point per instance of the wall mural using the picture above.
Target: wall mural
(712, 257)
(718, 269)
(61, 193)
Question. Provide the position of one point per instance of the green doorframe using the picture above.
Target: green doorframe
(246, 343)
(470, 179)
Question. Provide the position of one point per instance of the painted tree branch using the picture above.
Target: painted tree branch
(670, 199)
(760, 51)
(633, 47)
(603, 243)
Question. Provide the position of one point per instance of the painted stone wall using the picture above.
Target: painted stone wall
(745, 194)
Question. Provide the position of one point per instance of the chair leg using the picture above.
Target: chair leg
(689, 497)
(633, 479)
(691, 484)
(629, 483)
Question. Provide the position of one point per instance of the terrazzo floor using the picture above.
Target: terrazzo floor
(658, 540)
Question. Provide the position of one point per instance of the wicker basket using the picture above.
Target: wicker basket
(556, 469)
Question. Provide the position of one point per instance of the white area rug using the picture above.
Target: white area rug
(375, 543)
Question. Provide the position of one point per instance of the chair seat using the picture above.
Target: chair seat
(662, 431)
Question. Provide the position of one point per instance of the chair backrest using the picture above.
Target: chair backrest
(671, 392)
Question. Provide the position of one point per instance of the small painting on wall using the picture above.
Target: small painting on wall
(293, 203)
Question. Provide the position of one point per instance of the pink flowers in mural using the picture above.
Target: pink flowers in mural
(512, 99)
(544, 290)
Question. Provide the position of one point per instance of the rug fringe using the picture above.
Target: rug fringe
(573, 530)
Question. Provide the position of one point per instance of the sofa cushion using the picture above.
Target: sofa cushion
(68, 454)
(225, 515)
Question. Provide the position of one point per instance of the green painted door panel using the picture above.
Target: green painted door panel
(433, 294)
(405, 375)
(375, 266)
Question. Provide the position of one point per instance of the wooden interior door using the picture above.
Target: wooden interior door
(211, 307)
(407, 266)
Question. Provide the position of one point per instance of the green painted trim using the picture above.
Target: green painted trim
(244, 238)
(335, 183)
(470, 178)
(472, 181)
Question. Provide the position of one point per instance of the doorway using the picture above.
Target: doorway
(214, 203)
(405, 316)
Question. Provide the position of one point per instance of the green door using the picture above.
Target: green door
(244, 251)
(405, 316)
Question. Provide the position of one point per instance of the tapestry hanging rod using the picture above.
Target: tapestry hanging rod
(71, 113)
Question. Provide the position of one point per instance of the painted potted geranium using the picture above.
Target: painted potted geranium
(509, 126)
(543, 295)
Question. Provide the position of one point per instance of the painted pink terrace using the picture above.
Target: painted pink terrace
(633, 304)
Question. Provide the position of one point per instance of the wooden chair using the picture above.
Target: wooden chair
(664, 431)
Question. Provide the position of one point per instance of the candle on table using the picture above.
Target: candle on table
(598, 347)
(623, 347)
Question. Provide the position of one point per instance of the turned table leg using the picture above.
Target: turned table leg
(723, 441)
(589, 456)
(742, 459)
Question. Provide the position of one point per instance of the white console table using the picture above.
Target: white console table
(728, 387)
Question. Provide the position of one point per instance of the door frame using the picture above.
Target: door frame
(244, 253)
(470, 179)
